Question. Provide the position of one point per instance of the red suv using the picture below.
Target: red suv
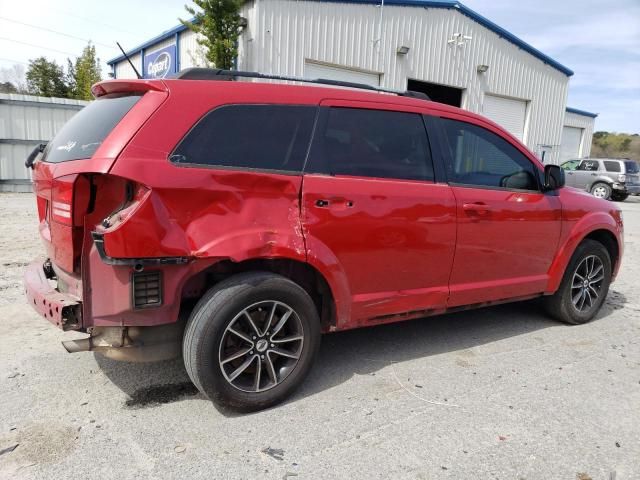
(237, 221)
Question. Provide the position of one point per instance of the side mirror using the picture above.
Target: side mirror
(553, 177)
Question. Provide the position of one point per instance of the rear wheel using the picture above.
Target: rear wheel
(584, 286)
(251, 340)
(601, 190)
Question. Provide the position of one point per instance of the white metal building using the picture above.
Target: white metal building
(26, 121)
(441, 47)
(577, 133)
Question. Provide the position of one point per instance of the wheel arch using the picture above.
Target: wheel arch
(603, 230)
(300, 272)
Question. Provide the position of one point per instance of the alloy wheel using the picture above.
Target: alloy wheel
(587, 283)
(261, 346)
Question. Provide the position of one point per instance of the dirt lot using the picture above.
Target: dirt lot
(499, 393)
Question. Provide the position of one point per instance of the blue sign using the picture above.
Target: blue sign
(160, 63)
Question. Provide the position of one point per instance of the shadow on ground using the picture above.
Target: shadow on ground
(356, 352)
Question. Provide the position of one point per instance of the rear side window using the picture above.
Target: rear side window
(84, 133)
(263, 137)
(631, 166)
(589, 166)
(371, 143)
(476, 156)
(612, 166)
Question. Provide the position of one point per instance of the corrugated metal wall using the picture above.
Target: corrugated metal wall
(25, 121)
(282, 34)
(124, 70)
(287, 33)
(582, 121)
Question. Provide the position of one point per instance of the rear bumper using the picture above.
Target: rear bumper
(61, 309)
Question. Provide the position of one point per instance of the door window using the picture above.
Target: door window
(588, 166)
(570, 165)
(371, 143)
(264, 137)
(476, 156)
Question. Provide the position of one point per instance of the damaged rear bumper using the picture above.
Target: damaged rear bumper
(61, 309)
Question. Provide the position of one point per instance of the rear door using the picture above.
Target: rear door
(374, 212)
(586, 172)
(507, 229)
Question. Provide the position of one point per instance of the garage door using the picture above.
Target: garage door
(316, 70)
(507, 112)
(570, 144)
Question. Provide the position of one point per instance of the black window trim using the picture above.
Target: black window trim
(440, 138)
(321, 117)
(207, 166)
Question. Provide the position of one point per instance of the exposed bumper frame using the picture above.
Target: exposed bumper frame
(98, 240)
(61, 309)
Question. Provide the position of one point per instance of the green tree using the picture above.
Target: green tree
(219, 22)
(8, 87)
(84, 73)
(46, 78)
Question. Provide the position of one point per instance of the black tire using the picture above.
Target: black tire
(619, 197)
(605, 187)
(207, 328)
(560, 305)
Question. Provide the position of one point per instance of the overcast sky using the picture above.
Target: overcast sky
(598, 39)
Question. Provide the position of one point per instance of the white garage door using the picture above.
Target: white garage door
(570, 144)
(316, 70)
(507, 112)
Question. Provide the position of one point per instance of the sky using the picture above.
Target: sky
(598, 39)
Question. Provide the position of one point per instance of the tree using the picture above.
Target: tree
(46, 78)
(8, 87)
(219, 22)
(15, 76)
(84, 73)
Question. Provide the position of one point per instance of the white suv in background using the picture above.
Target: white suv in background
(609, 178)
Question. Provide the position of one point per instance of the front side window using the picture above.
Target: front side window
(476, 156)
(589, 166)
(263, 137)
(611, 166)
(371, 143)
(570, 165)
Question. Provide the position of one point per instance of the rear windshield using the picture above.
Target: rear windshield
(81, 136)
(631, 167)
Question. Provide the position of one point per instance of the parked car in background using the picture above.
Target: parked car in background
(608, 178)
(235, 222)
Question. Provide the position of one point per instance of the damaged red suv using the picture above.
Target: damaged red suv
(236, 221)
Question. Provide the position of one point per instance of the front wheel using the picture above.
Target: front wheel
(601, 190)
(251, 340)
(619, 197)
(584, 286)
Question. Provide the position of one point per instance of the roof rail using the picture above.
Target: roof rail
(197, 73)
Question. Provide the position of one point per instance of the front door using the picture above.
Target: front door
(508, 230)
(373, 212)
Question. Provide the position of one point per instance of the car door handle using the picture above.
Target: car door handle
(594, 174)
(478, 208)
(340, 202)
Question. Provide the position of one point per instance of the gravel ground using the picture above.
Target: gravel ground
(499, 393)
